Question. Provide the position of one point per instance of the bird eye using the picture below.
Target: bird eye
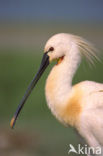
(51, 49)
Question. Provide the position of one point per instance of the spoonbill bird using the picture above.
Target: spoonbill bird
(81, 105)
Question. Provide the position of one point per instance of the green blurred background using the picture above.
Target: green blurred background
(25, 26)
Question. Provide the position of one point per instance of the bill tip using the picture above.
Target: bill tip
(12, 122)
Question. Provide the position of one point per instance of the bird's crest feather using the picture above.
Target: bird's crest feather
(87, 49)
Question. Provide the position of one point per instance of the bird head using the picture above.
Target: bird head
(58, 46)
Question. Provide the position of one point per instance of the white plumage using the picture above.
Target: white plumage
(81, 105)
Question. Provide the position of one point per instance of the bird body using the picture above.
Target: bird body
(81, 105)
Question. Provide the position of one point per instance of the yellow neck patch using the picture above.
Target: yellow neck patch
(59, 60)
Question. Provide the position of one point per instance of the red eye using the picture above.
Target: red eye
(51, 49)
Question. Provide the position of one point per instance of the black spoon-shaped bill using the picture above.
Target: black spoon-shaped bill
(43, 66)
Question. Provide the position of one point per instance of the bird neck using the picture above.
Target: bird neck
(59, 82)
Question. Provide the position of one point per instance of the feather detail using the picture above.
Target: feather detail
(87, 49)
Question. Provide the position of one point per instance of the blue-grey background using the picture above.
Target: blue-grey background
(70, 10)
(25, 26)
